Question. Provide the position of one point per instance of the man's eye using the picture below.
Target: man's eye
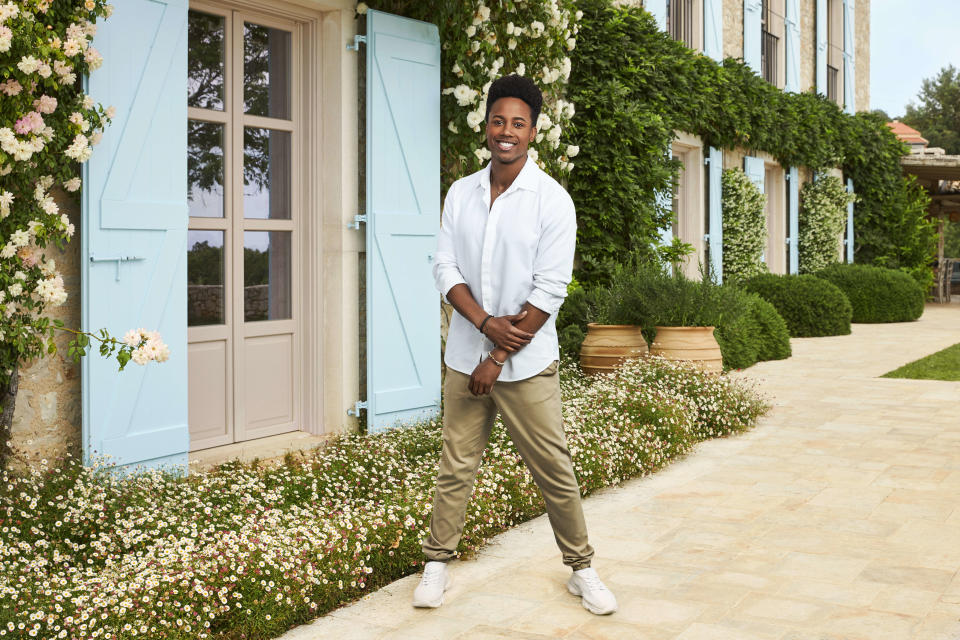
(518, 125)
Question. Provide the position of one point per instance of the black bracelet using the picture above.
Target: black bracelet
(483, 323)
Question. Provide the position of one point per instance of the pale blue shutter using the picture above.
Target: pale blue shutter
(822, 52)
(403, 217)
(713, 29)
(793, 211)
(792, 24)
(849, 239)
(658, 9)
(849, 59)
(713, 47)
(134, 241)
(755, 170)
(714, 174)
(751, 34)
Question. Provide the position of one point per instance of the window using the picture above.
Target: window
(680, 20)
(835, 50)
(773, 32)
(688, 202)
(768, 44)
(685, 22)
(777, 256)
(244, 131)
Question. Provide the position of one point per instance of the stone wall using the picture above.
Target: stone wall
(732, 28)
(46, 422)
(862, 54)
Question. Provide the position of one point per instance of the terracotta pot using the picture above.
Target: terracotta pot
(695, 344)
(608, 345)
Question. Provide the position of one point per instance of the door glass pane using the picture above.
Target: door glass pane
(205, 169)
(266, 71)
(266, 173)
(205, 55)
(267, 264)
(204, 278)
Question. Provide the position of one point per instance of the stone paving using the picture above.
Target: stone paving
(838, 517)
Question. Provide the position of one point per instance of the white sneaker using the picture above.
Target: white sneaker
(595, 597)
(435, 580)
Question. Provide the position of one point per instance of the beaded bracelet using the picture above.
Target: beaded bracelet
(483, 323)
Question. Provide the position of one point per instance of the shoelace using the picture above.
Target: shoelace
(594, 583)
(431, 577)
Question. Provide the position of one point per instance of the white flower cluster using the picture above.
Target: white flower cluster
(147, 346)
(158, 557)
(537, 38)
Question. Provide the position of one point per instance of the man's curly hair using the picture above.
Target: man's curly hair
(514, 86)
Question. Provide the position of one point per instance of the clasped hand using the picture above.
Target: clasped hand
(504, 334)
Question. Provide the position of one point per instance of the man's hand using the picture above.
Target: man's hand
(504, 334)
(484, 376)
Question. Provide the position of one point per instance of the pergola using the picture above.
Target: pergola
(940, 175)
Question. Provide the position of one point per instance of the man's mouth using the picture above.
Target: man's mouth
(505, 146)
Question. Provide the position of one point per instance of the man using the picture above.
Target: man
(504, 259)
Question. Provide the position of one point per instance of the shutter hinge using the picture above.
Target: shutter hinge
(357, 407)
(356, 43)
(357, 219)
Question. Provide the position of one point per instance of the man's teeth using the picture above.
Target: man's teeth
(505, 145)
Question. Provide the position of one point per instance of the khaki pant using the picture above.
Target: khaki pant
(531, 413)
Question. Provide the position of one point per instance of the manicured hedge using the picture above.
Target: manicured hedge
(810, 306)
(750, 330)
(877, 294)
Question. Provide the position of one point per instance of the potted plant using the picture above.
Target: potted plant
(677, 314)
(604, 346)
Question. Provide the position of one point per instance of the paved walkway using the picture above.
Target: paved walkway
(838, 517)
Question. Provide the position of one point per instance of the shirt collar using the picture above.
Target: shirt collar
(526, 179)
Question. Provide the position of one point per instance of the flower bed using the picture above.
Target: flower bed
(247, 551)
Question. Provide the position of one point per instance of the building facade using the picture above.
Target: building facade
(796, 45)
(222, 208)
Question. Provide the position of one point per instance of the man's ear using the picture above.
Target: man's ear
(533, 133)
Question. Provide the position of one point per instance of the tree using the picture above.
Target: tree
(937, 116)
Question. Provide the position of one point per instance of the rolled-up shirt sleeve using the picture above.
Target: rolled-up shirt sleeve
(553, 265)
(446, 273)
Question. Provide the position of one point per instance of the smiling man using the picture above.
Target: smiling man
(504, 259)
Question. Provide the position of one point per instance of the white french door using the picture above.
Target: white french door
(243, 244)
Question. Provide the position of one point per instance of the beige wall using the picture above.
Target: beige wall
(46, 422)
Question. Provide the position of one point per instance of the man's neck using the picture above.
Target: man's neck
(503, 175)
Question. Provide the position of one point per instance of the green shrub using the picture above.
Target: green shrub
(744, 226)
(810, 306)
(750, 330)
(877, 294)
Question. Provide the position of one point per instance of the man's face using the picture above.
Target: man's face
(509, 130)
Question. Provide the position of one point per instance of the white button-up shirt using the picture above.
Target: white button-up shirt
(520, 250)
